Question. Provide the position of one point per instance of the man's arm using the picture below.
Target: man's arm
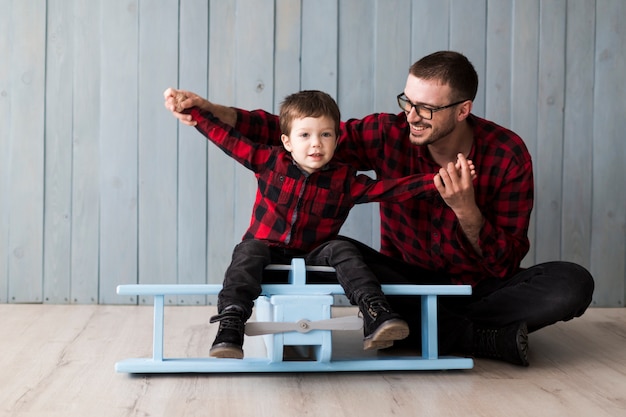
(498, 237)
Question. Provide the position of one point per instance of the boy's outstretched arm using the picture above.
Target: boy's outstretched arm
(176, 101)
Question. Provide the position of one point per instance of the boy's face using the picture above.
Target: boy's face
(311, 142)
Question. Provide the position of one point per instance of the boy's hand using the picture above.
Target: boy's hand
(470, 165)
(454, 184)
(458, 166)
(177, 101)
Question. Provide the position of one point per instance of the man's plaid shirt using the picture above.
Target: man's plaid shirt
(296, 210)
(425, 231)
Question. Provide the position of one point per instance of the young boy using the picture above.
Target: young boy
(303, 199)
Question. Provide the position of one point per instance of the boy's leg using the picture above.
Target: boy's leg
(242, 280)
(382, 326)
(242, 285)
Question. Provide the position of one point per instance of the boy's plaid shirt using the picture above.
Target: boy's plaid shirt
(296, 210)
(425, 231)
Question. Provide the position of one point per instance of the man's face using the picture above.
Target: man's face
(430, 94)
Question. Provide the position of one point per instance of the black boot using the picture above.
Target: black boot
(229, 340)
(381, 326)
(509, 344)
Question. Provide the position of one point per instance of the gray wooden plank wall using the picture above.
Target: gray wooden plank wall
(100, 186)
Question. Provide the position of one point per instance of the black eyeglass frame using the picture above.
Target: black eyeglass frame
(417, 107)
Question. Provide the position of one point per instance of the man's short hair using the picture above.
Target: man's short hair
(451, 68)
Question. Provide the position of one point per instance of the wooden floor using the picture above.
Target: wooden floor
(59, 361)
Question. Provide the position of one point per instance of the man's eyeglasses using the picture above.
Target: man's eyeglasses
(425, 112)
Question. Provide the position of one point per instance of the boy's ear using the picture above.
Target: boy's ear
(286, 142)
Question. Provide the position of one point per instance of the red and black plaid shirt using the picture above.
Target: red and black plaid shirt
(425, 231)
(297, 210)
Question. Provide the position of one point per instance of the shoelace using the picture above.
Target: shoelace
(376, 304)
(228, 320)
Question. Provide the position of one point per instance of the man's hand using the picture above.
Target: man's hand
(454, 184)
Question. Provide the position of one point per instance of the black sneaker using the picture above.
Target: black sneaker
(508, 344)
(381, 326)
(229, 340)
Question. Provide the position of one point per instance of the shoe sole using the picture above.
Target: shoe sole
(226, 350)
(386, 334)
(522, 345)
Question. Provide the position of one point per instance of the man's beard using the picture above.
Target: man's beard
(435, 133)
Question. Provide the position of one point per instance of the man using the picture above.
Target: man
(474, 232)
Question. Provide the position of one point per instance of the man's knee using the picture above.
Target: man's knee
(575, 284)
(582, 285)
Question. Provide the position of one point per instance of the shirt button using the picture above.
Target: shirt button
(436, 235)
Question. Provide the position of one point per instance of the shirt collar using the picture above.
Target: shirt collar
(306, 174)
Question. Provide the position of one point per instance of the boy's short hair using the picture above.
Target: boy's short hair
(450, 68)
(308, 103)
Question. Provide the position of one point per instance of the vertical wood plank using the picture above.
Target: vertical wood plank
(356, 90)
(221, 169)
(525, 61)
(58, 155)
(118, 149)
(393, 53)
(157, 145)
(6, 43)
(430, 28)
(319, 45)
(356, 97)
(192, 150)
(608, 241)
(497, 80)
(86, 153)
(288, 27)
(26, 142)
(254, 74)
(549, 149)
(468, 32)
(356, 32)
(577, 150)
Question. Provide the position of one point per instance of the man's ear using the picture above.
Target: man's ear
(286, 142)
(464, 110)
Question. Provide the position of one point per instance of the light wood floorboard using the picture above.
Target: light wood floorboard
(58, 360)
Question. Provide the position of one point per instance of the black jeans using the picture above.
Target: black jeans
(540, 296)
(242, 281)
